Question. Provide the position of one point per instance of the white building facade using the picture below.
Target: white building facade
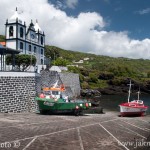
(27, 39)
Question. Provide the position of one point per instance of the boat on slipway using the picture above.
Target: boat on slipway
(135, 107)
(53, 100)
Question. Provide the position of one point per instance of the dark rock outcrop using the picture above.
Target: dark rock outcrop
(92, 95)
(121, 87)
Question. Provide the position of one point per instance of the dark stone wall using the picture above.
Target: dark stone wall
(17, 92)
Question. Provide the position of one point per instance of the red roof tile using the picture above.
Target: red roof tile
(3, 43)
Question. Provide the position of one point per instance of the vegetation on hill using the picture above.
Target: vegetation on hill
(2, 38)
(101, 71)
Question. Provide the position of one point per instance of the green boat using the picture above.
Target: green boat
(55, 102)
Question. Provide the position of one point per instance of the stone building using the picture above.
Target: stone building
(70, 80)
(27, 39)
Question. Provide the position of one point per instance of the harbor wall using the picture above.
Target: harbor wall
(18, 91)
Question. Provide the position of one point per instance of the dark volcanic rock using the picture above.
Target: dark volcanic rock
(92, 95)
(122, 87)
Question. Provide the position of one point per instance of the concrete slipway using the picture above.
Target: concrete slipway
(30, 131)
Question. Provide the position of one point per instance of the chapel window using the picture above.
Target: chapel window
(21, 45)
(11, 30)
(41, 40)
(21, 32)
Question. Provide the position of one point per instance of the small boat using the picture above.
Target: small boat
(135, 107)
(53, 100)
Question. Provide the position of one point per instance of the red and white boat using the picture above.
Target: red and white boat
(135, 107)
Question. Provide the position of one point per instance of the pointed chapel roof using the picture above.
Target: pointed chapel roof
(15, 16)
(37, 27)
(31, 26)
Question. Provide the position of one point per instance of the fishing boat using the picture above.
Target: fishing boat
(53, 100)
(135, 107)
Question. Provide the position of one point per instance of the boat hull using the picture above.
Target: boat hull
(129, 111)
(49, 105)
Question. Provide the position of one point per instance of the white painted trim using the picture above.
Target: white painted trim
(18, 74)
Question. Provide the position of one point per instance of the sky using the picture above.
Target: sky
(117, 28)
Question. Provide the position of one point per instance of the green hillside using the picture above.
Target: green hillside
(101, 63)
(2, 38)
(99, 71)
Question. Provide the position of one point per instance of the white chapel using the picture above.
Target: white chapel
(27, 39)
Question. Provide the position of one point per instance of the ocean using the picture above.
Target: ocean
(111, 102)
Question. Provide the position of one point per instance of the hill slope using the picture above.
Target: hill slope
(104, 72)
(102, 63)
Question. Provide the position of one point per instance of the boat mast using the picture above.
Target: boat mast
(129, 91)
(138, 94)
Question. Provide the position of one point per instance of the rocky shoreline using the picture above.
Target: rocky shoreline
(115, 90)
(95, 96)
(121, 87)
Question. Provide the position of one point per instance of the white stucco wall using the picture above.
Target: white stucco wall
(18, 74)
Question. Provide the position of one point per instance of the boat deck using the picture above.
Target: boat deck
(30, 131)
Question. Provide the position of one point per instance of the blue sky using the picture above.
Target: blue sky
(120, 15)
(117, 28)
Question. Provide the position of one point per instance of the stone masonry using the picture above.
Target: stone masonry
(71, 82)
(17, 91)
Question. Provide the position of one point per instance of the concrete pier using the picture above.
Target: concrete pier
(30, 131)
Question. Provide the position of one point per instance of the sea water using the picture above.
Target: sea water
(111, 102)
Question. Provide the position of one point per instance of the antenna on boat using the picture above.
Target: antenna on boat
(138, 93)
(129, 91)
(55, 84)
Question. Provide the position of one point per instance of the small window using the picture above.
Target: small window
(41, 61)
(21, 45)
(30, 48)
(55, 92)
(11, 31)
(21, 32)
(34, 49)
(41, 40)
(41, 51)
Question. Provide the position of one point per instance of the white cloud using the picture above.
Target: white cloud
(75, 33)
(71, 3)
(144, 11)
(66, 4)
(60, 5)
